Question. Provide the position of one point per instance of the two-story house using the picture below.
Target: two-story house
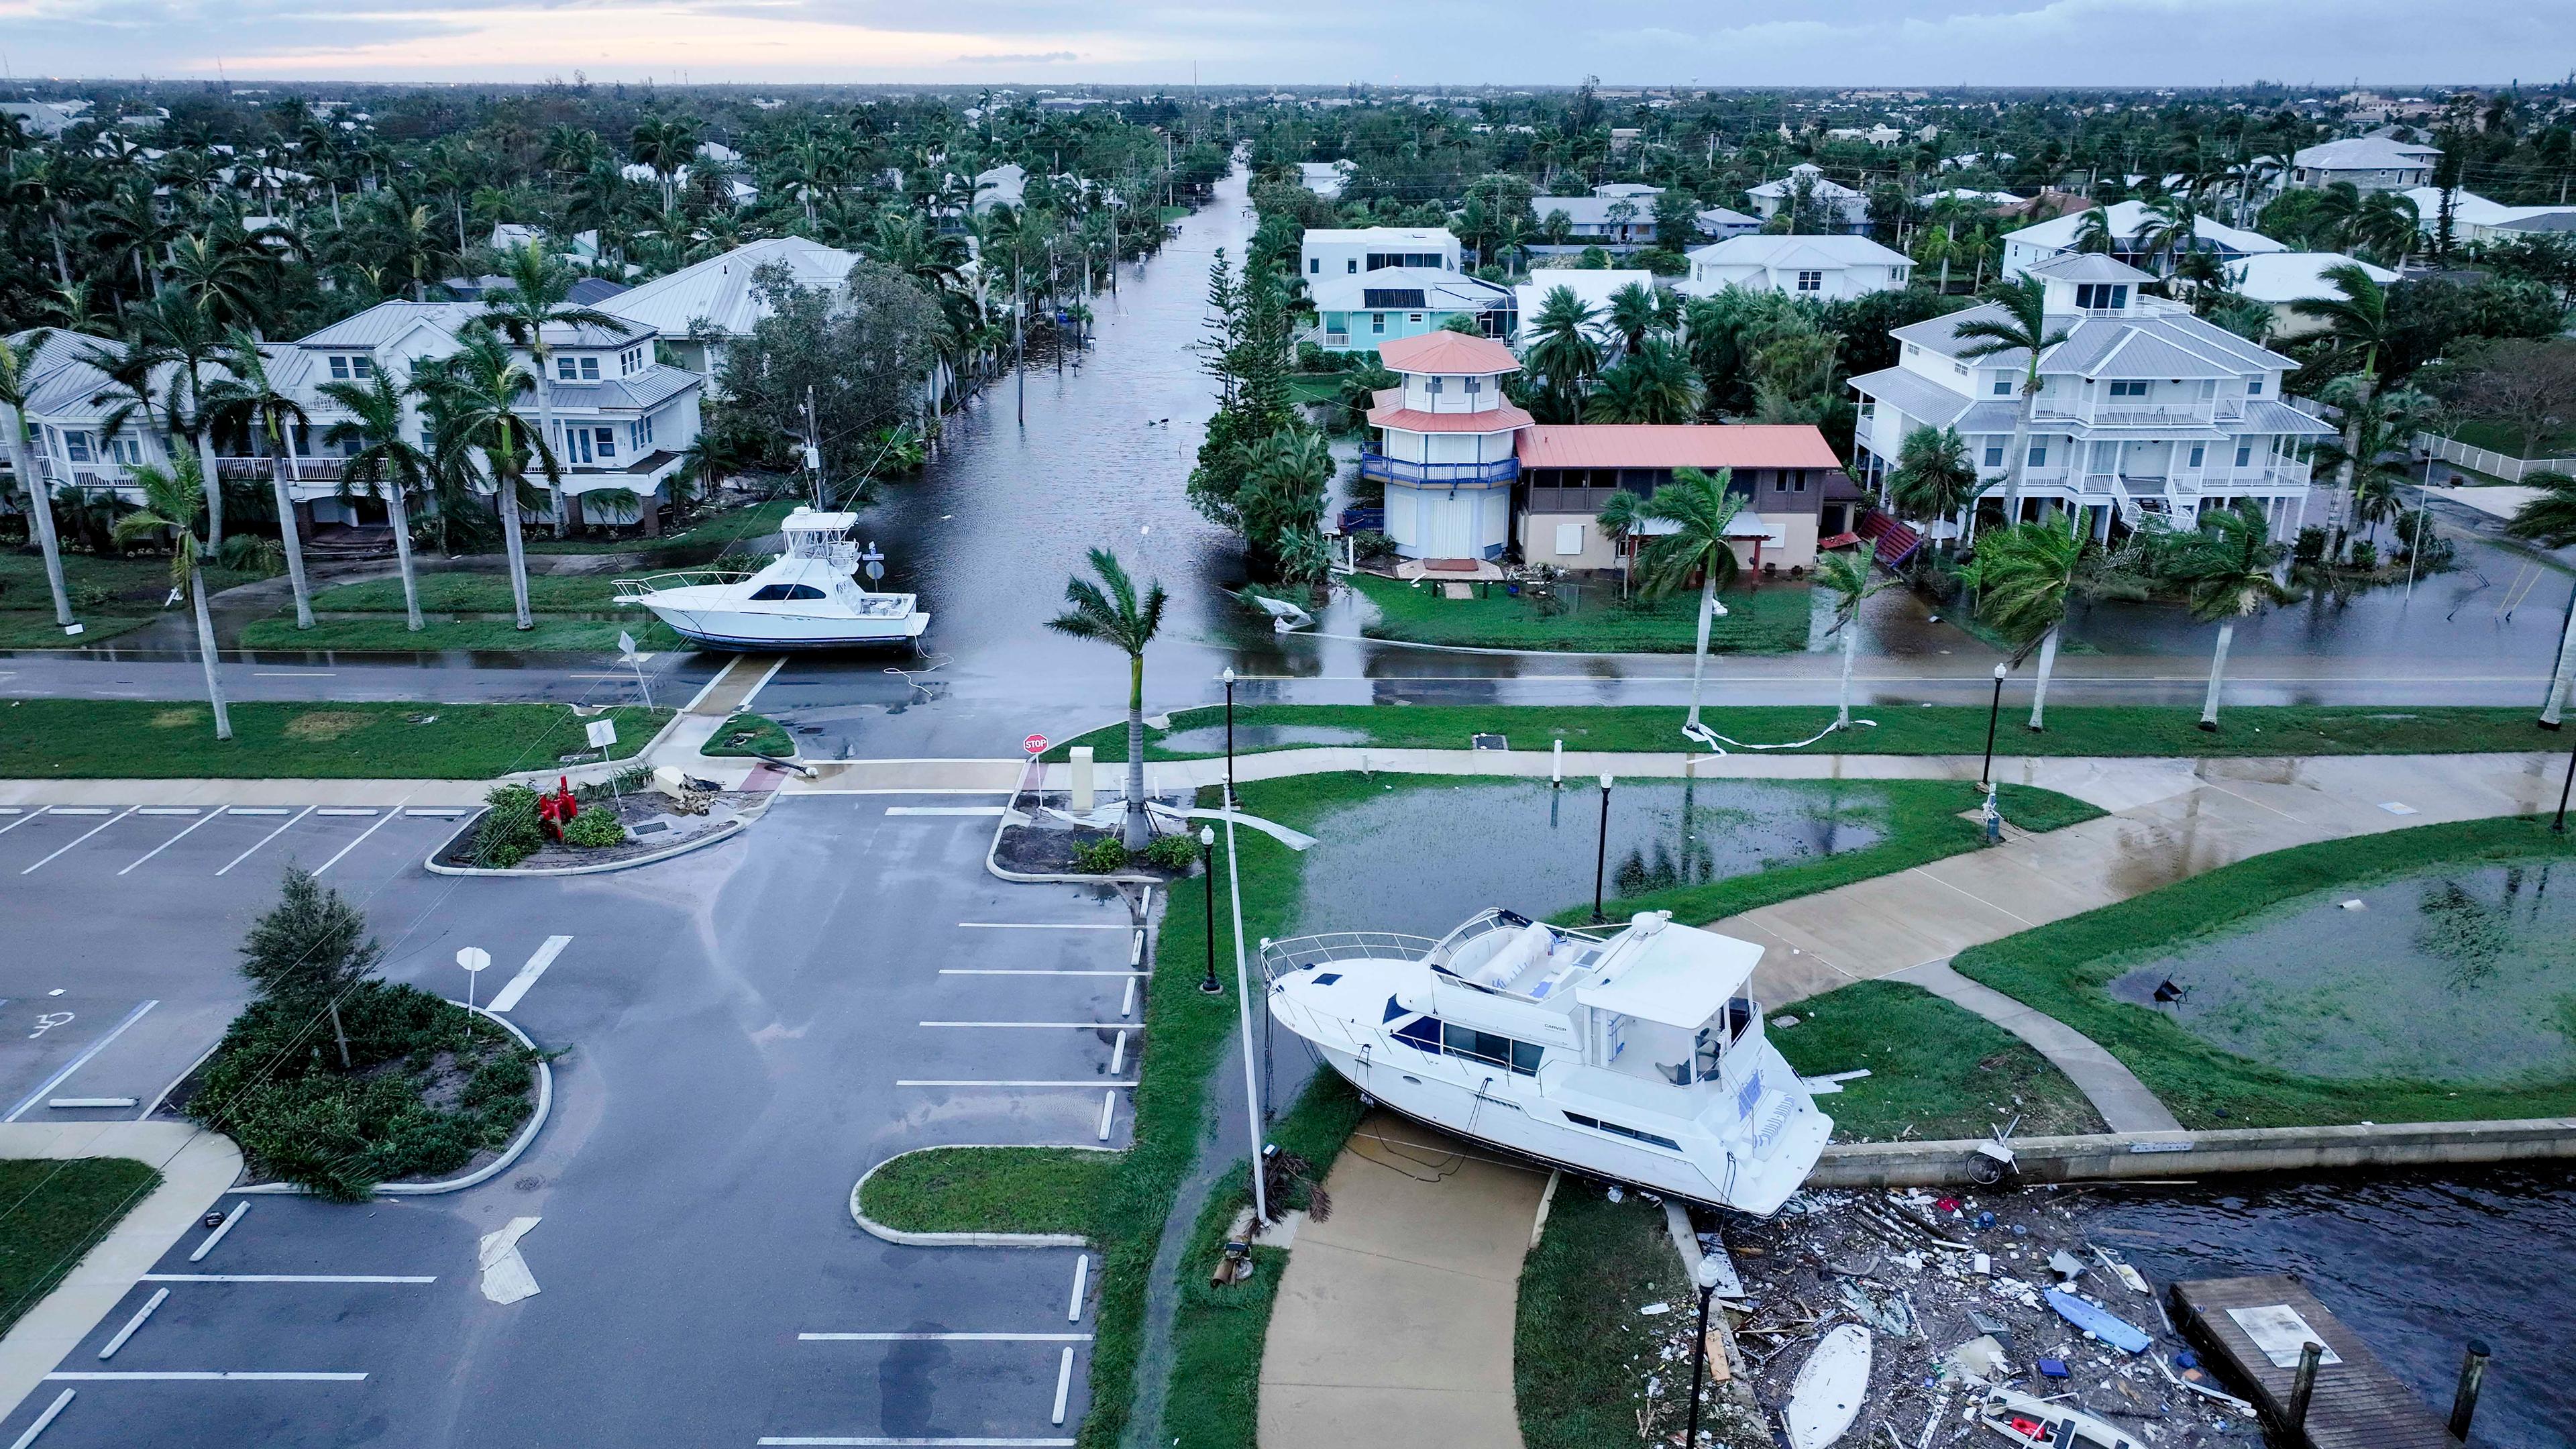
(1363, 312)
(2128, 225)
(1350, 251)
(1445, 447)
(1837, 200)
(2370, 163)
(697, 309)
(1823, 268)
(2143, 411)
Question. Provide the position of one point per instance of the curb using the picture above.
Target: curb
(725, 832)
(597, 769)
(964, 1240)
(2113, 1156)
(993, 864)
(479, 1176)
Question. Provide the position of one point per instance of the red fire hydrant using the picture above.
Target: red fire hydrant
(558, 809)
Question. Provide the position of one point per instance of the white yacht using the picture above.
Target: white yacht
(807, 598)
(1636, 1056)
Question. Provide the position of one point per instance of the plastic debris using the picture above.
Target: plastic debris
(2052, 1368)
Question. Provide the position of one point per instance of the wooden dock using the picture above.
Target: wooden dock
(2357, 1402)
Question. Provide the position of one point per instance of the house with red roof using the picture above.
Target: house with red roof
(1469, 475)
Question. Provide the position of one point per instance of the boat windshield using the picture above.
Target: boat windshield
(1672, 1055)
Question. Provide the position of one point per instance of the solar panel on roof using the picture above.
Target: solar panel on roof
(1391, 296)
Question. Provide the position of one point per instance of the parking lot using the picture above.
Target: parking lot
(743, 1031)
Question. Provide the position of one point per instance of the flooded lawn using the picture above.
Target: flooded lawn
(2455, 976)
(1263, 737)
(1424, 855)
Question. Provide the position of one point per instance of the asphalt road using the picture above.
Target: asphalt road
(744, 1031)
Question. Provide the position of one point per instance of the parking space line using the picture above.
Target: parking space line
(52, 1410)
(931, 1337)
(159, 1296)
(354, 811)
(528, 974)
(438, 812)
(23, 819)
(969, 1443)
(205, 1375)
(361, 840)
(168, 810)
(1039, 926)
(987, 811)
(1081, 1276)
(925, 1082)
(265, 839)
(78, 1062)
(173, 840)
(1004, 971)
(283, 1278)
(202, 1376)
(221, 1228)
(258, 810)
(1044, 1025)
(1063, 1384)
(84, 835)
(83, 809)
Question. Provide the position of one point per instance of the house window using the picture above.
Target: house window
(576, 445)
(2253, 387)
(639, 433)
(1994, 455)
(1474, 386)
(1811, 281)
(1569, 539)
(1351, 265)
(1435, 387)
(1377, 322)
(339, 367)
(1415, 318)
(2129, 389)
(2101, 296)
(2003, 384)
(576, 369)
(1314, 265)
(76, 447)
(2039, 455)
(345, 366)
(128, 451)
(2244, 452)
(2198, 452)
(1797, 482)
(630, 362)
(607, 442)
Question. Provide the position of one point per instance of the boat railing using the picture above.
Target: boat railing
(1278, 958)
(678, 579)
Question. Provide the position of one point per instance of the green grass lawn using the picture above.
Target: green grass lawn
(989, 1190)
(75, 739)
(31, 629)
(768, 737)
(1939, 1069)
(731, 526)
(2121, 730)
(1771, 619)
(1581, 1352)
(1315, 387)
(478, 593)
(2061, 968)
(100, 583)
(2507, 439)
(53, 1211)
(389, 635)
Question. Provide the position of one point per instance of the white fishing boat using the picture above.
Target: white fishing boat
(1637, 1056)
(807, 598)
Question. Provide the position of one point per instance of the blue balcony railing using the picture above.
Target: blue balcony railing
(1397, 470)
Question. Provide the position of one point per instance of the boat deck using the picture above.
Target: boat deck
(2357, 1403)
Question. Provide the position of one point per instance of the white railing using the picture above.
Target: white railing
(677, 579)
(1278, 958)
(2487, 460)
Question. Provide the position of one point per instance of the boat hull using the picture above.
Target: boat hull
(766, 632)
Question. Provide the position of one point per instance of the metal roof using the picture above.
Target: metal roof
(1681, 445)
(2089, 267)
(718, 290)
(1916, 396)
(1453, 354)
(1822, 252)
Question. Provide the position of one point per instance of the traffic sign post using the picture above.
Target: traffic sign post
(626, 651)
(473, 959)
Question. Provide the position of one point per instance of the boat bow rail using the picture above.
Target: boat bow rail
(1280, 958)
(631, 590)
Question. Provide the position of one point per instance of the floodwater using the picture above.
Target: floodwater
(1422, 857)
(2463, 977)
(2417, 1264)
(1263, 737)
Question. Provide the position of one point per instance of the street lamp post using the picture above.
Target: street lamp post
(1207, 870)
(1986, 775)
(1707, 1276)
(1601, 853)
(1243, 1009)
(1228, 677)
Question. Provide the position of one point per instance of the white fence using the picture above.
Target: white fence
(2489, 461)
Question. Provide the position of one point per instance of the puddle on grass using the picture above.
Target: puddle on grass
(2463, 977)
(1421, 857)
(1211, 738)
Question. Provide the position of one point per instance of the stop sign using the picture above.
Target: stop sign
(1034, 744)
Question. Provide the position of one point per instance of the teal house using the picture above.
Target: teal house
(1360, 311)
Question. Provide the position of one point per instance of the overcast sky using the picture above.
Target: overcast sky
(1659, 42)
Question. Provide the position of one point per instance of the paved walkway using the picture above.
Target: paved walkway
(1397, 1311)
(196, 1167)
(2124, 1102)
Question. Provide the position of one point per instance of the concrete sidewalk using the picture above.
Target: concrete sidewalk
(1397, 1311)
(196, 1168)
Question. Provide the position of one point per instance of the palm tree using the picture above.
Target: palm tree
(17, 376)
(173, 499)
(1654, 384)
(2381, 429)
(1847, 576)
(2167, 228)
(1633, 314)
(537, 297)
(2027, 577)
(2548, 518)
(2227, 574)
(2357, 325)
(476, 393)
(1621, 519)
(1109, 612)
(2020, 324)
(222, 274)
(666, 144)
(1562, 351)
(1933, 478)
(385, 465)
(180, 331)
(2387, 226)
(254, 398)
(2093, 233)
(1701, 510)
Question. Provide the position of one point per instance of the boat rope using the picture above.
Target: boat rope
(928, 696)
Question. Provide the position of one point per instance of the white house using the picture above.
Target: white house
(2143, 411)
(1825, 268)
(1618, 216)
(1445, 449)
(2476, 219)
(697, 307)
(1349, 251)
(1717, 223)
(1003, 185)
(1772, 197)
(2026, 248)
(2371, 163)
(2282, 280)
(1592, 288)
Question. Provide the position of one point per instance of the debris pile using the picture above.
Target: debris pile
(1990, 1319)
